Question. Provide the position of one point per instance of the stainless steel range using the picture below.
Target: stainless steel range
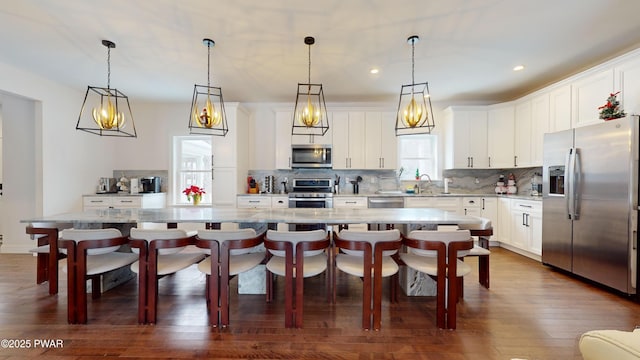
(311, 193)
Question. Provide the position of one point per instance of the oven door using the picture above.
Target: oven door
(308, 203)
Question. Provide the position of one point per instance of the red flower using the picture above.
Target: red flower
(193, 190)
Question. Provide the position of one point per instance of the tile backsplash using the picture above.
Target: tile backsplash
(467, 181)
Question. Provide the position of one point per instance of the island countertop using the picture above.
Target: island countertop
(330, 216)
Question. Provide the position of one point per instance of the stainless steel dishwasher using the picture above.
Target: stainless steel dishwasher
(379, 202)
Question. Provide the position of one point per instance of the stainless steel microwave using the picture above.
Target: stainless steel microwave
(311, 156)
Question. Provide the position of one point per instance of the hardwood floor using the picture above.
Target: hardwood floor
(530, 312)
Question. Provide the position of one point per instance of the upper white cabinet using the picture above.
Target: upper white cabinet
(501, 136)
(466, 137)
(589, 93)
(540, 119)
(381, 146)
(283, 140)
(523, 132)
(628, 83)
(348, 139)
(230, 158)
(560, 108)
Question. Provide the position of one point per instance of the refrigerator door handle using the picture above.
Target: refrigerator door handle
(575, 184)
(567, 182)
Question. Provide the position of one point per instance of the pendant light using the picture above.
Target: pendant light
(208, 116)
(415, 115)
(310, 112)
(111, 113)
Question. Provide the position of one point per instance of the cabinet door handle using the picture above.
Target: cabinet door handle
(524, 221)
(527, 220)
(472, 161)
(126, 201)
(489, 161)
(483, 204)
(468, 161)
(350, 202)
(515, 160)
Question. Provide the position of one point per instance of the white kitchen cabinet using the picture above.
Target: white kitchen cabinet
(142, 201)
(524, 134)
(279, 201)
(540, 119)
(283, 140)
(526, 227)
(486, 207)
(626, 81)
(381, 146)
(504, 221)
(501, 136)
(230, 157)
(348, 139)
(466, 137)
(253, 202)
(472, 206)
(560, 108)
(588, 93)
(352, 202)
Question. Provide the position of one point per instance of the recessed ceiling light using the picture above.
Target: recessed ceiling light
(374, 71)
(518, 67)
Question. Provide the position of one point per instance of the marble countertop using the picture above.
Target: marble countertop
(122, 194)
(401, 194)
(427, 216)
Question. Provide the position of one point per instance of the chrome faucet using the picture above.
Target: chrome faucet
(422, 187)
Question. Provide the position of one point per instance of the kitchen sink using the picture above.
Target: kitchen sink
(389, 192)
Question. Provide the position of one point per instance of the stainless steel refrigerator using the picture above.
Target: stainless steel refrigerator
(590, 202)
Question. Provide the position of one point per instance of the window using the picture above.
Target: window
(192, 166)
(418, 152)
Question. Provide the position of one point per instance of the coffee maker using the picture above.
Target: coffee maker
(150, 184)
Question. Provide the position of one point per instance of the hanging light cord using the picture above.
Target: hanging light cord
(208, 65)
(413, 60)
(108, 67)
(309, 46)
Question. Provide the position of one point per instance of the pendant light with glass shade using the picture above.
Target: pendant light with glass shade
(310, 112)
(111, 112)
(415, 115)
(208, 116)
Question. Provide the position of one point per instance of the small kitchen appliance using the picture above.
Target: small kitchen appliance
(107, 185)
(150, 184)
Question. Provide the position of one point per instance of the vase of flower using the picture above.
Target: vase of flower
(194, 193)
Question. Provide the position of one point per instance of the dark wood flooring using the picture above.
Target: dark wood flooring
(530, 312)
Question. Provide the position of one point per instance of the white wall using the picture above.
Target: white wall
(48, 164)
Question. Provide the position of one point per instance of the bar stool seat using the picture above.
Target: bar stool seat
(161, 252)
(231, 252)
(296, 255)
(368, 255)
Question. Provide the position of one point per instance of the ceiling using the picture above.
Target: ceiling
(467, 48)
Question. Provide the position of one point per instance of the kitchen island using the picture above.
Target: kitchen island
(329, 216)
(125, 219)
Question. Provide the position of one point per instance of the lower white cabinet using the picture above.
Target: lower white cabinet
(142, 201)
(526, 227)
(253, 202)
(352, 202)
